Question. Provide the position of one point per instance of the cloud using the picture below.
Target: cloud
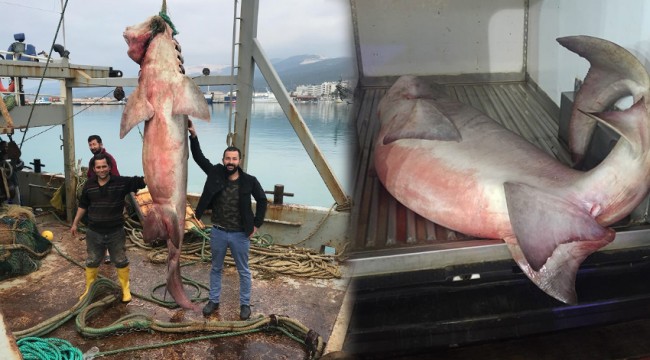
(93, 29)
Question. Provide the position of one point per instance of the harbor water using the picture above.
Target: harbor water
(276, 155)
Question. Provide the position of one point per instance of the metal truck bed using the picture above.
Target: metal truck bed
(384, 223)
(419, 286)
(381, 224)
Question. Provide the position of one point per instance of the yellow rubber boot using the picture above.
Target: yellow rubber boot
(91, 276)
(123, 277)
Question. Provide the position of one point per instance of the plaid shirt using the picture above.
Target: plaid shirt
(105, 204)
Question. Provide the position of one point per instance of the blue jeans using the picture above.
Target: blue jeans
(239, 244)
(97, 243)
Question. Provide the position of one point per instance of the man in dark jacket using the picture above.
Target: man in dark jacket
(227, 191)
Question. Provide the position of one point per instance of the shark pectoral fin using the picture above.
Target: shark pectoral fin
(137, 109)
(190, 101)
(552, 237)
(424, 122)
(558, 276)
(542, 222)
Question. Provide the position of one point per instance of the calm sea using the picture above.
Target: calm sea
(276, 155)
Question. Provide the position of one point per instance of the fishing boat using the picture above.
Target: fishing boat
(43, 101)
(209, 98)
(313, 308)
(264, 97)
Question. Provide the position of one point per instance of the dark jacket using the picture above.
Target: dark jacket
(216, 182)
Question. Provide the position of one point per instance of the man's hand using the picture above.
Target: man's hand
(190, 128)
(80, 213)
(253, 233)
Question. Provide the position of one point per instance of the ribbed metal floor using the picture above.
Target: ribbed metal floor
(381, 222)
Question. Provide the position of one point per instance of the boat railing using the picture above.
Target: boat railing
(38, 58)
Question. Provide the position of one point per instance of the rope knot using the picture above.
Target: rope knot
(274, 320)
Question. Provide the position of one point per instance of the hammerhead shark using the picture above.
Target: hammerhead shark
(455, 166)
(163, 99)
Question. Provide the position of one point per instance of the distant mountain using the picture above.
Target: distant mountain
(308, 69)
(293, 71)
(298, 70)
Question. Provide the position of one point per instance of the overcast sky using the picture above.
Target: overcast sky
(93, 29)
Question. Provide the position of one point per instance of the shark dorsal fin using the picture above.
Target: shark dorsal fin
(424, 122)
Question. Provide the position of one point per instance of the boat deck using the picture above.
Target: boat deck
(380, 221)
(29, 300)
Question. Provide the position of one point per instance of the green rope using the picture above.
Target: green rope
(142, 322)
(172, 304)
(96, 300)
(177, 342)
(264, 240)
(34, 348)
(169, 22)
(99, 288)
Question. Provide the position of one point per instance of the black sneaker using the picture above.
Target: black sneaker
(245, 312)
(209, 308)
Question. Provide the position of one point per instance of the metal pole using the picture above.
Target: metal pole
(69, 156)
(247, 34)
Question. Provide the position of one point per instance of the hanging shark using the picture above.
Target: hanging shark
(163, 99)
(457, 167)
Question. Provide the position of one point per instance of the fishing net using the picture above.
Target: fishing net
(10, 102)
(21, 246)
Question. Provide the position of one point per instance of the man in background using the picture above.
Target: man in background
(11, 165)
(96, 147)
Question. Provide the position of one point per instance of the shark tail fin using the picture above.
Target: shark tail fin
(614, 73)
(631, 124)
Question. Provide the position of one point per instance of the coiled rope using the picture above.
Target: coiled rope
(104, 292)
(33, 348)
(263, 254)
